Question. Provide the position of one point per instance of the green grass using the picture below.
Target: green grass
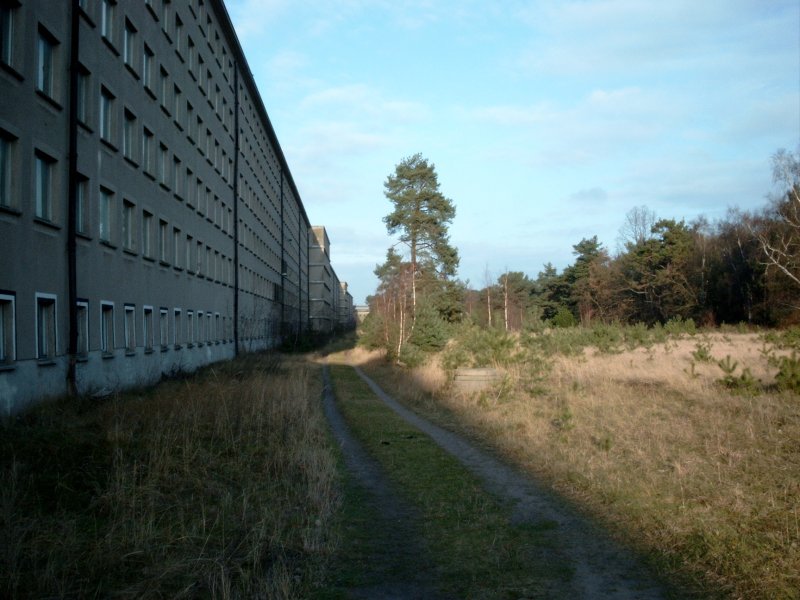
(478, 552)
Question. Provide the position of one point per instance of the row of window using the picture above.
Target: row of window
(157, 240)
(139, 144)
(140, 59)
(157, 326)
(153, 237)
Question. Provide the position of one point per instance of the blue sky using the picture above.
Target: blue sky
(547, 121)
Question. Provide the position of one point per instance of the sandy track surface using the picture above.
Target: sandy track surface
(397, 561)
(600, 567)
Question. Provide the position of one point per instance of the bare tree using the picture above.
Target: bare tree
(505, 298)
(487, 275)
(637, 228)
(780, 240)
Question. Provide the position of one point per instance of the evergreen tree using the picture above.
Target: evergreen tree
(421, 215)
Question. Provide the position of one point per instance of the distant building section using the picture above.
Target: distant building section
(331, 303)
(149, 222)
(362, 310)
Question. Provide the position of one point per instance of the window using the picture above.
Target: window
(82, 205)
(162, 241)
(128, 225)
(199, 257)
(129, 53)
(45, 327)
(200, 191)
(45, 63)
(106, 115)
(163, 166)
(176, 247)
(107, 328)
(201, 328)
(217, 331)
(201, 68)
(177, 329)
(82, 310)
(190, 122)
(199, 133)
(106, 211)
(208, 327)
(44, 167)
(147, 328)
(189, 328)
(130, 329)
(83, 105)
(7, 16)
(177, 101)
(163, 324)
(107, 19)
(148, 142)
(147, 68)
(8, 334)
(8, 146)
(179, 35)
(188, 252)
(178, 183)
(164, 89)
(165, 15)
(192, 56)
(147, 234)
(129, 135)
(190, 189)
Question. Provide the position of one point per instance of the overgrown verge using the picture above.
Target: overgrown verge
(686, 447)
(478, 552)
(220, 484)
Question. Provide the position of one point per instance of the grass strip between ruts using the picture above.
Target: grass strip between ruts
(478, 552)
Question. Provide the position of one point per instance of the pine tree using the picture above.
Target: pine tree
(422, 215)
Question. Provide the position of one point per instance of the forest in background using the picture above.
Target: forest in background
(744, 268)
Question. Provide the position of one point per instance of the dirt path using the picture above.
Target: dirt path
(393, 564)
(601, 569)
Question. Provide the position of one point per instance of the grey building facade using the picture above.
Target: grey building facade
(331, 303)
(149, 222)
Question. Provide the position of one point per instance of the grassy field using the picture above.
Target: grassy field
(222, 484)
(694, 462)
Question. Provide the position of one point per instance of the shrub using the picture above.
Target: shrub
(788, 377)
(677, 325)
(563, 318)
(430, 331)
(607, 338)
(744, 383)
(412, 355)
(702, 352)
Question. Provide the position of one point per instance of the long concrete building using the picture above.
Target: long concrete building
(331, 303)
(149, 222)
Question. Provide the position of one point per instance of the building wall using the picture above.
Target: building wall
(321, 281)
(166, 185)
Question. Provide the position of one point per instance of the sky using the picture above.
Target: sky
(547, 121)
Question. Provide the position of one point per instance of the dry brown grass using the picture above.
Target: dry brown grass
(706, 480)
(219, 485)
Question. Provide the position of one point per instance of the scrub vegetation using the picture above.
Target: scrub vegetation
(221, 484)
(683, 442)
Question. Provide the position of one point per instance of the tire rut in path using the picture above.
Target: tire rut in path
(601, 568)
(398, 569)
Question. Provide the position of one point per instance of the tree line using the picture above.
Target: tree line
(744, 267)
